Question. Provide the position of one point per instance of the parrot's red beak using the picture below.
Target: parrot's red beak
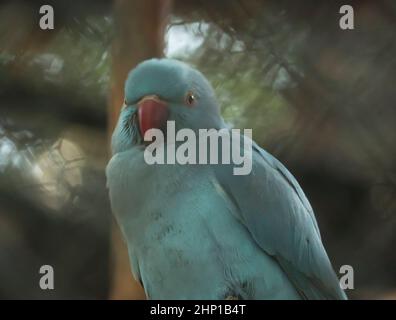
(152, 113)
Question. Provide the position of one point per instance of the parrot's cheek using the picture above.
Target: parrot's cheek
(153, 114)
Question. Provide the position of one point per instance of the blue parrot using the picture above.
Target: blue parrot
(199, 231)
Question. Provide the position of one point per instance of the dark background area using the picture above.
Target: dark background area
(319, 98)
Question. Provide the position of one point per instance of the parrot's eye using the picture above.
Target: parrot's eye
(190, 98)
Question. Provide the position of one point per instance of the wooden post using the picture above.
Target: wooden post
(139, 35)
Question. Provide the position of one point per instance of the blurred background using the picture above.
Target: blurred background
(319, 98)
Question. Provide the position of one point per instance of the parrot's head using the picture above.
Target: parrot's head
(161, 90)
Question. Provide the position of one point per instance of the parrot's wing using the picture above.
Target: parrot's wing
(273, 207)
